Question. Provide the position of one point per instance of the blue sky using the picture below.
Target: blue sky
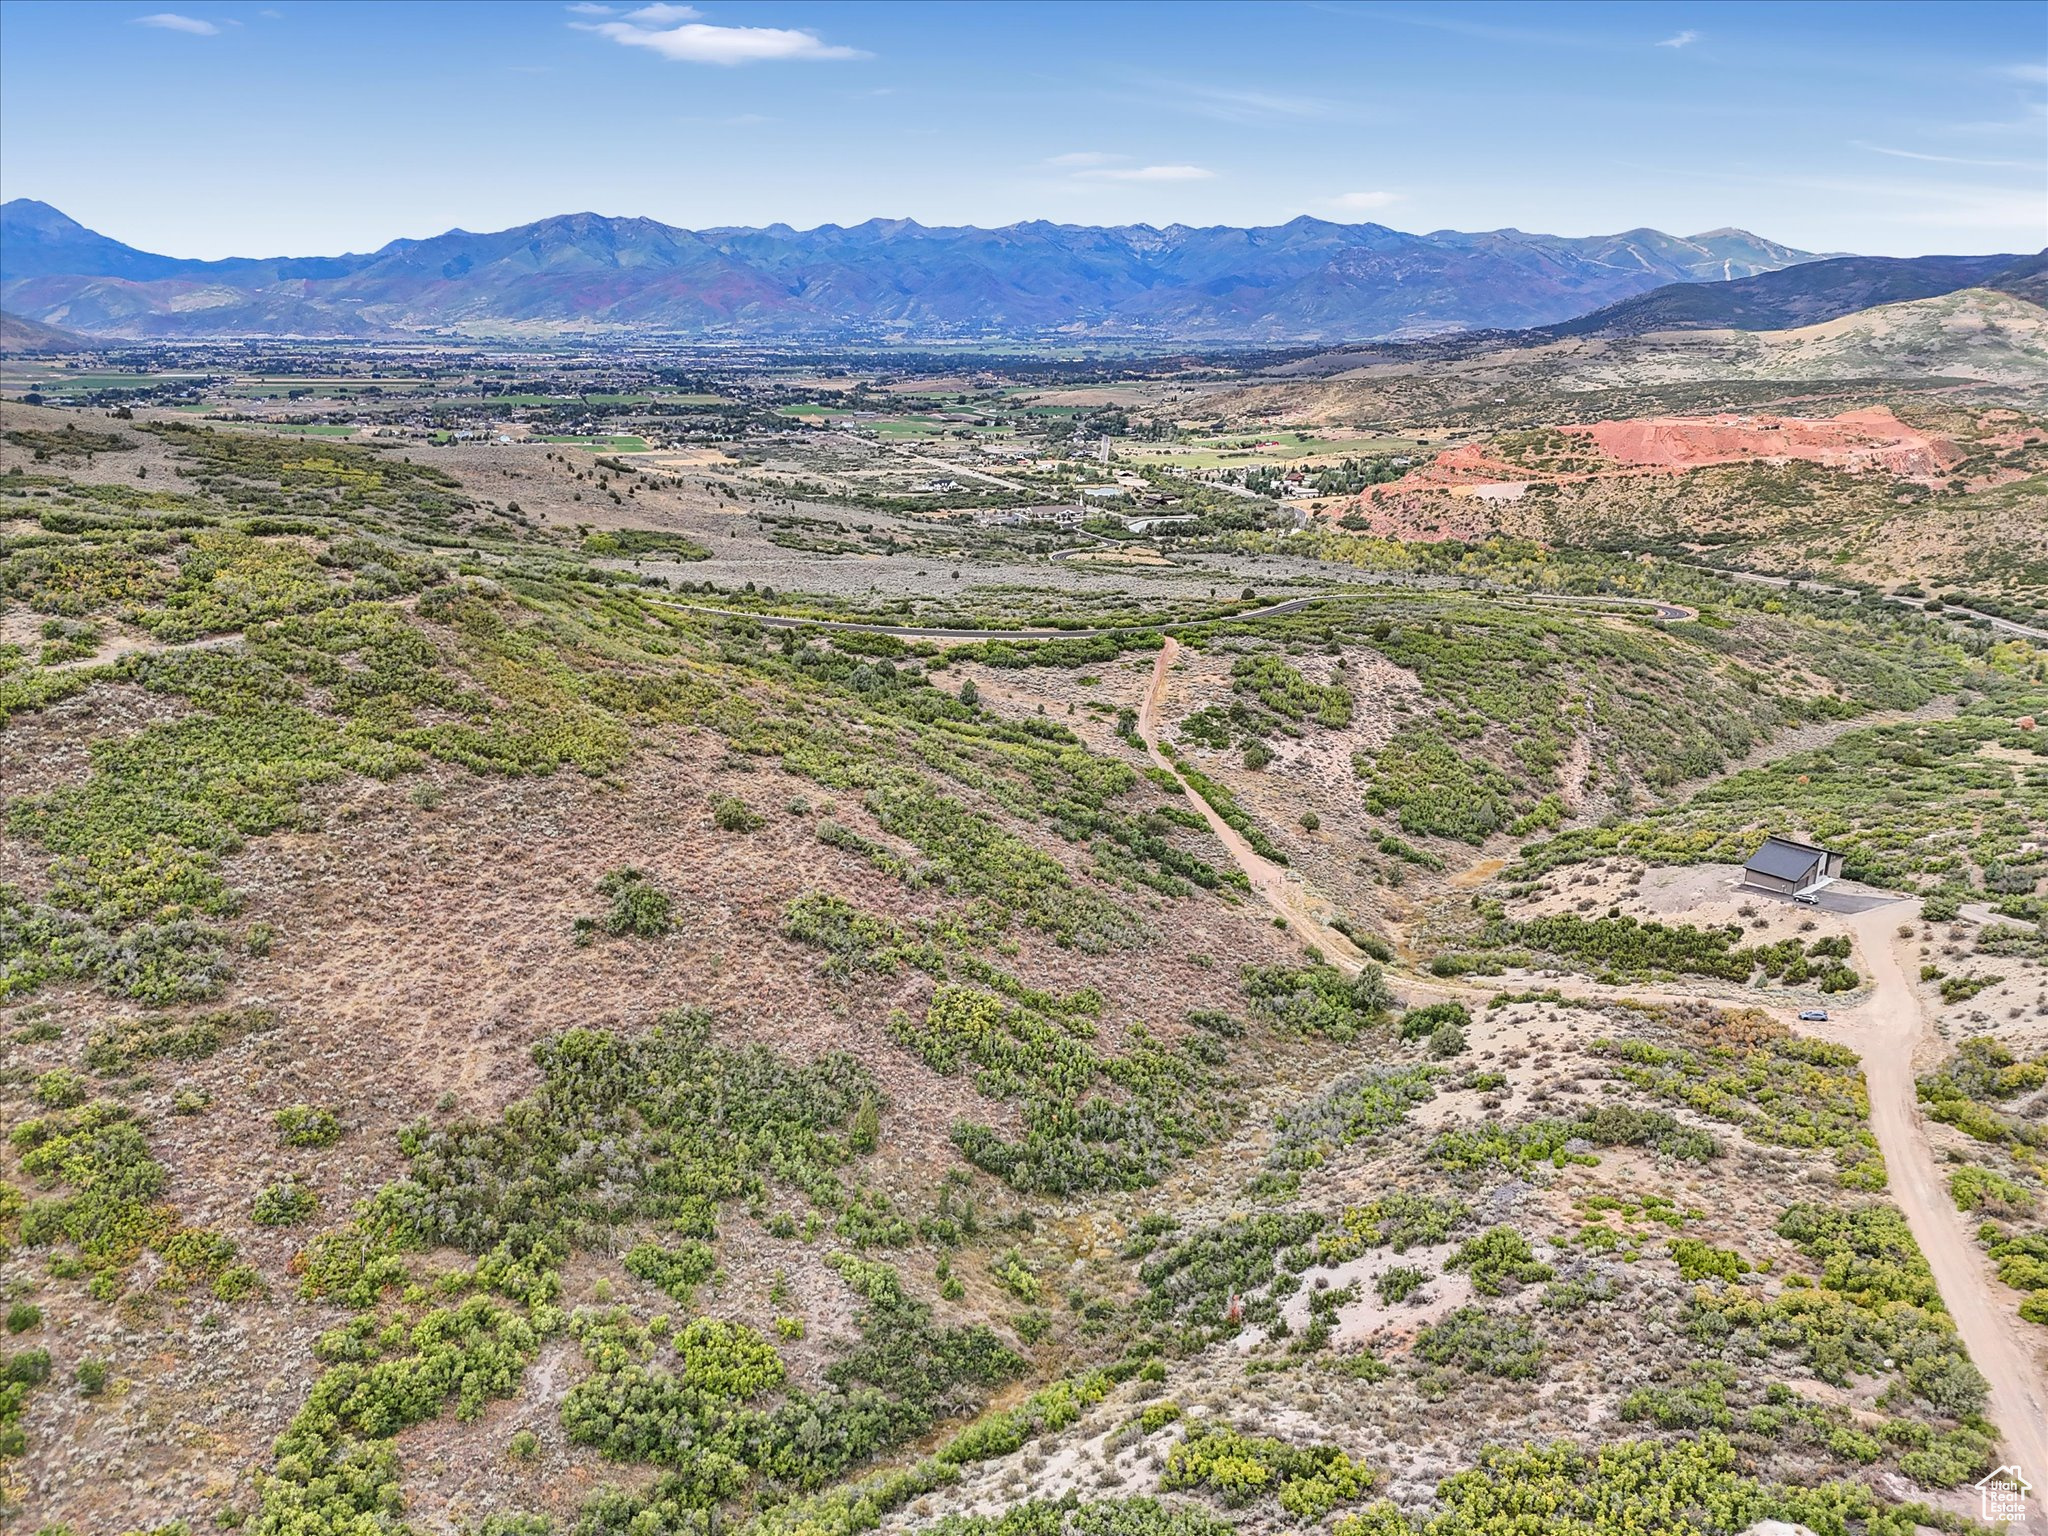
(209, 129)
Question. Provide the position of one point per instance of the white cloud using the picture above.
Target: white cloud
(1363, 202)
(1681, 39)
(1232, 104)
(171, 21)
(2033, 74)
(1914, 154)
(1242, 106)
(590, 8)
(661, 14)
(696, 42)
(1149, 173)
(1082, 157)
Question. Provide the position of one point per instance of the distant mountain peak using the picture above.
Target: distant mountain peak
(29, 207)
(1307, 280)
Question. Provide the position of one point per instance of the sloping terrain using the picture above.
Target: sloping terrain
(1306, 279)
(1813, 292)
(1895, 445)
(25, 336)
(1953, 497)
(1974, 333)
(498, 1044)
(2025, 279)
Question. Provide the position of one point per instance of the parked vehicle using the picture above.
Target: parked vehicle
(1813, 1015)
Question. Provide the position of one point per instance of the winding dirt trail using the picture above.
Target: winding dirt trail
(1885, 1031)
(1307, 916)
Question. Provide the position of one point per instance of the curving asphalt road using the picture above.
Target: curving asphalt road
(1662, 611)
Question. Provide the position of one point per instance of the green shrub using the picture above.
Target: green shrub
(1690, 1485)
(1483, 1343)
(1701, 1402)
(1549, 1140)
(1039, 1049)
(1320, 999)
(1499, 1259)
(1421, 1023)
(1400, 1282)
(61, 1089)
(102, 1197)
(1306, 1481)
(676, 1271)
(639, 909)
(729, 813)
(284, 1202)
(124, 1044)
(20, 1374)
(1363, 1108)
(303, 1125)
(1702, 1261)
(1009, 1271)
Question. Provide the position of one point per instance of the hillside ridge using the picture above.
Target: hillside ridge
(1308, 279)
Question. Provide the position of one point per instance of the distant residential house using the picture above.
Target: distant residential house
(1056, 517)
(1036, 517)
(1785, 866)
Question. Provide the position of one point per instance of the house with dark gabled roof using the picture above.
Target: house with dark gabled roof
(1784, 866)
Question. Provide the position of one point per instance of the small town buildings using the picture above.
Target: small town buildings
(1030, 517)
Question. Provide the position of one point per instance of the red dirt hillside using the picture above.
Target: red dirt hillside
(1853, 440)
(1501, 467)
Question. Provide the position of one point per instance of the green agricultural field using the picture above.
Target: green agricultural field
(57, 381)
(615, 443)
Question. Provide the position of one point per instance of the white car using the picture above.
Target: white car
(1813, 1015)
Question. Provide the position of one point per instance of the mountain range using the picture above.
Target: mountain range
(1307, 280)
(1808, 294)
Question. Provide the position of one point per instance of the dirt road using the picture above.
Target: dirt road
(1306, 915)
(1885, 1031)
(1662, 611)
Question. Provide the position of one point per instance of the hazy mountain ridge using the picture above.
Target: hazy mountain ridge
(1305, 280)
(21, 336)
(1810, 294)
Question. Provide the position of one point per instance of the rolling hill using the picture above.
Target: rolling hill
(1984, 334)
(1807, 294)
(1307, 280)
(18, 335)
